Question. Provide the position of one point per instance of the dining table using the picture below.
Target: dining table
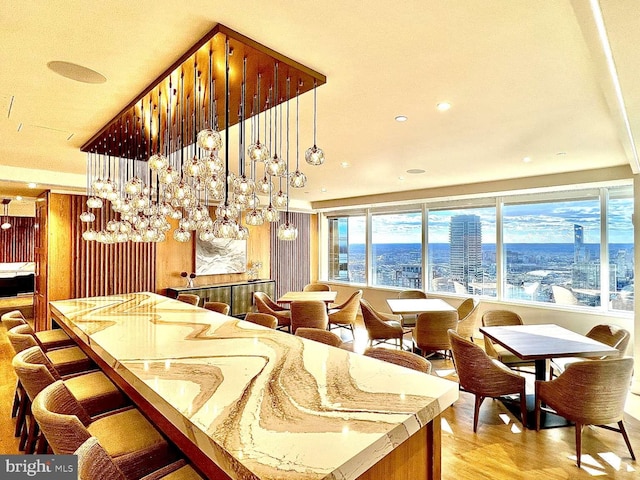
(409, 306)
(541, 343)
(245, 402)
(325, 296)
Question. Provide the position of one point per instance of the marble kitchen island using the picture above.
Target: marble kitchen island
(246, 402)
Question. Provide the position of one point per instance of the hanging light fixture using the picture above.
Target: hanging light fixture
(164, 157)
(6, 224)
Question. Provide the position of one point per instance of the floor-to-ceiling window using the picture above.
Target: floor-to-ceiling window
(572, 248)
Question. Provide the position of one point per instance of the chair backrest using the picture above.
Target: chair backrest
(467, 323)
(476, 371)
(611, 335)
(316, 287)
(308, 313)
(263, 319)
(94, 462)
(61, 418)
(400, 357)
(465, 308)
(34, 370)
(594, 392)
(264, 304)
(372, 321)
(189, 298)
(562, 296)
(412, 294)
(430, 332)
(12, 319)
(219, 307)
(500, 318)
(317, 335)
(348, 311)
(21, 337)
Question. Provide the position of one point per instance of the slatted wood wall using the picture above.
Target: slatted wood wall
(290, 261)
(17, 242)
(100, 269)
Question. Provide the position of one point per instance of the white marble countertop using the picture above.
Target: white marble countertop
(261, 403)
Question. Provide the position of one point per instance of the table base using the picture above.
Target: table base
(547, 419)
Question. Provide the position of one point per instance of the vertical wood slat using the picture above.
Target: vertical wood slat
(290, 261)
(17, 243)
(113, 269)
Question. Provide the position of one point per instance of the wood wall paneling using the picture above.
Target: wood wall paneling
(290, 260)
(17, 243)
(40, 301)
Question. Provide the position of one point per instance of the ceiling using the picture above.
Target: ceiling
(525, 79)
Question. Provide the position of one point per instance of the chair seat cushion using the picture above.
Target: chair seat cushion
(126, 432)
(54, 339)
(508, 358)
(69, 360)
(95, 392)
(560, 364)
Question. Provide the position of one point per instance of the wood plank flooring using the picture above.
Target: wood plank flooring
(501, 449)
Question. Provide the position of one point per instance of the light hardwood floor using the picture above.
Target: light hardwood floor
(501, 449)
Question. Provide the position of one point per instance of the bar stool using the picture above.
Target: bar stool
(48, 339)
(93, 390)
(219, 307)
(135, 445)
(189, 298)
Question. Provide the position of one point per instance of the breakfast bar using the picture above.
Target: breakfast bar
(246, 402)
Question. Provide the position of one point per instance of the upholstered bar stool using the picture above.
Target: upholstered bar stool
(189, 298)
(263, 319)
(94, 462)
(93, 390)
(219, 307)
(322, 336)
(400, 357)
(48, 339)
(66, 360)
(136, 447)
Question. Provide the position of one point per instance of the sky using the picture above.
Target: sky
(527, 223)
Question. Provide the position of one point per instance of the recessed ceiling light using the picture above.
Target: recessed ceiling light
(323, 189)
(561, 153)
(400, 178)
(344, 164)
(32, 185)
(76, 72)
(18, 198)
(415, 171)
(526, 159)
(401, 118)
(443, 106)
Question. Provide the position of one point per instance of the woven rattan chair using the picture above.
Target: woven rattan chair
(499, 318)
(93, 390)
(430, 334)
(189, 298)
(263, 319)
(483, 376)
(127, 437)
(12, 319)
(219, 307)
(344, 315)
(316, 287)
(317, 335)
(95, 463)
(467, 322)
(381, 327)
(610, 335)
(66, 360)
(400, 357)
(308, 313)
(264, 304)
(589, 393)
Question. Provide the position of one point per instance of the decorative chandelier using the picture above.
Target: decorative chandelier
(167, 154)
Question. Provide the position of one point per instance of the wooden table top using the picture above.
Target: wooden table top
(418, 305)
(327, 297)
(534, 342)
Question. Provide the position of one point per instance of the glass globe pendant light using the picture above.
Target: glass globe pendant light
(314, 155)
(209, 139)
(297, 179)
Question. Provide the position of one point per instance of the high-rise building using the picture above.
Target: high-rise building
(579, 250)
(465, 240)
